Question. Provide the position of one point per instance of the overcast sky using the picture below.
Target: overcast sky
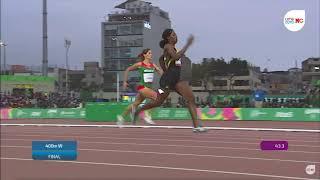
(249, 29)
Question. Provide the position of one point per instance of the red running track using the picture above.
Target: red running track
(151, 153)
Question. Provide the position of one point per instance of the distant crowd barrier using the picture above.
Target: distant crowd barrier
(34, 113)
(107, 111)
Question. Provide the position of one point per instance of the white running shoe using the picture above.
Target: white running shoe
(199, 130)
(120, 120)
(148, 120)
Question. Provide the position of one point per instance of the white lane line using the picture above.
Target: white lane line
(155, 135)
(224, 133)
(179, 154)
(169, 140)
(171, 145)
(167, 127)
(165, 168)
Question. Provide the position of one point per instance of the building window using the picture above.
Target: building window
(119, 64)
(111, 41)
(125, 52)
(93, 75)
(137, 28)
(124, 29)
(129, 52)
(116, 41)
(112, 32)
(112, 65)
(124, 64)
(138, 42)
(111, 53)
(134, 42)
(122, 52)
(196, 83)
(241, 83)
(220, 83)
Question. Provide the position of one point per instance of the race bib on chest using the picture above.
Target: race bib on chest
(148, 77)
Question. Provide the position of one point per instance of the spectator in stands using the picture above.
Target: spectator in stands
(39, 100)
(258, 96)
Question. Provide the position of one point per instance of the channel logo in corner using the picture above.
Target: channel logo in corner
(294, 20)
(311, 169)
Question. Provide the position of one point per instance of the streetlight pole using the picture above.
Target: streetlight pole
(231, 76)
(45, 40)
(2, 44)
(5, 58)
(118, 88)
(67, 44)
(0, 29)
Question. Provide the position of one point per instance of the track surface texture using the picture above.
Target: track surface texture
(106, 153)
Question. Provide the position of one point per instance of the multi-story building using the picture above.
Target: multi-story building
(93, 74)
(295, 79)
(283, 82)
(75, 78)
(91, 77)
(136, 26)
(311, 71)
(242, 83)
(277, 82)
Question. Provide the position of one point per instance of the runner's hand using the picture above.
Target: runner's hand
(190, 40)
(125, 85)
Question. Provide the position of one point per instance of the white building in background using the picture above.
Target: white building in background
(311, 71)
(126, 32)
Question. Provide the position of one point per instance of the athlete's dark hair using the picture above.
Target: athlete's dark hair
(145, 51)
(166, 33)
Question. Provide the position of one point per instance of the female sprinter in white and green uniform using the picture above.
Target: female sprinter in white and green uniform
(146, 70)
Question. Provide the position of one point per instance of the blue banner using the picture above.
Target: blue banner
(54, 150)
(54, 145)
(55, 155)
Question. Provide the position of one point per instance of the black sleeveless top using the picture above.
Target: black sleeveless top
(181, 68)
(171, 75)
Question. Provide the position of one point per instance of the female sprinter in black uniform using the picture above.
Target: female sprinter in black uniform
(171, 79)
